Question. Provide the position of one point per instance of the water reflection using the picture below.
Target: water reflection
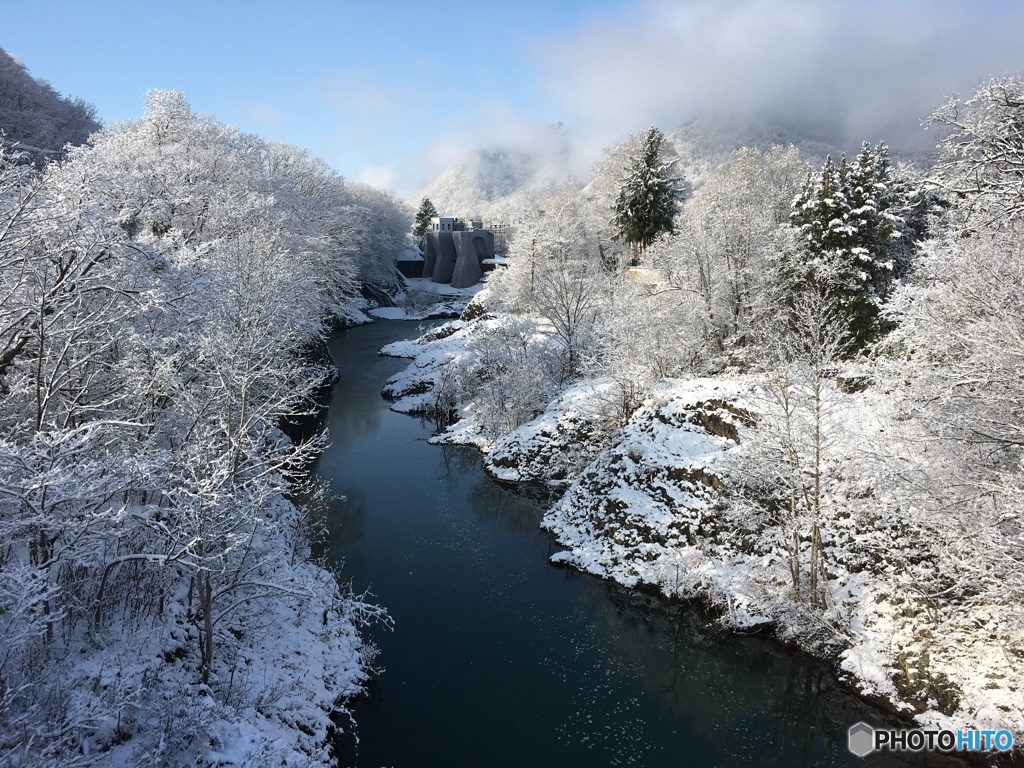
(354, 401)
(751, 703)
(345, 526)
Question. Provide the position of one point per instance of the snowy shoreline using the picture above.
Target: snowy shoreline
(659, 504)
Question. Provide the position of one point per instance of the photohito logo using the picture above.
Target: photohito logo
(862, 740)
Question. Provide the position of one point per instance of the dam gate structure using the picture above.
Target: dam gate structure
(454, 253)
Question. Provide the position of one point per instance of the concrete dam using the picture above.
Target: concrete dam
(455, 254)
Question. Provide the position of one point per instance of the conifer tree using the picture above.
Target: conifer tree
(426, 212)
(821, 211)
(875, 199)
(854, 240)
(648, 199)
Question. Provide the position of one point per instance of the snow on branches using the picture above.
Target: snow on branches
(649, 193)
(981, 151)
(159, 291)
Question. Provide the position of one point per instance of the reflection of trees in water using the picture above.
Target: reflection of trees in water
(758, 703)
(344, 523)
(512, 508)
(354, 403)
(459, 460)
(362, 411)
(514, 514)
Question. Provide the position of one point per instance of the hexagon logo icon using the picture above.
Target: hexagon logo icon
(861, 739)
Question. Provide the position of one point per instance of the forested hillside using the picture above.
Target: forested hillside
(803, 408)
(162, 288)
(35, 120)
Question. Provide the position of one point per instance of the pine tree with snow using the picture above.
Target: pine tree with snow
(424, 214)
(854, 240)
(821, 211)
(876, 200)
(648, 198)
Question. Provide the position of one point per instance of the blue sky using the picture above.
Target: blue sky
(391, 92)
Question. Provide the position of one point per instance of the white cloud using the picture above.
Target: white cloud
(379, 176)
(844, 70)
(862, 68)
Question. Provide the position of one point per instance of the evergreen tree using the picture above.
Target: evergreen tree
(821, 211)
(855, 243)
(648, 198)
(426, 212)
(875, 200)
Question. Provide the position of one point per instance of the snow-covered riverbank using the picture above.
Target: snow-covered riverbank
(674, 499)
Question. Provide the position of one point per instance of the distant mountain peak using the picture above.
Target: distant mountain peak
(494, 172)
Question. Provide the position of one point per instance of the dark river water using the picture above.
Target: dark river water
(499, 659)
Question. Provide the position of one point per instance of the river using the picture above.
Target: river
(498, 658)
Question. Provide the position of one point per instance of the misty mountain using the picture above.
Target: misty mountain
(495, 173)
(706, 142)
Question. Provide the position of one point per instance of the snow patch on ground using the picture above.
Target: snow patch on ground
(557, 444)
(423, 299)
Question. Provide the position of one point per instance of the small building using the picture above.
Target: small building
(410, 262)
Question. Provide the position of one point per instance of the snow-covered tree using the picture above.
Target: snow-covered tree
(600, 194)
(981, 151)
(727, 240)
(854, 239)
(35, 121)
(507, 374)
(648, 197)
(424, 214)
(310, 205)
(554, 272)
(377, 227)
(799, 430)
(642, 334)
